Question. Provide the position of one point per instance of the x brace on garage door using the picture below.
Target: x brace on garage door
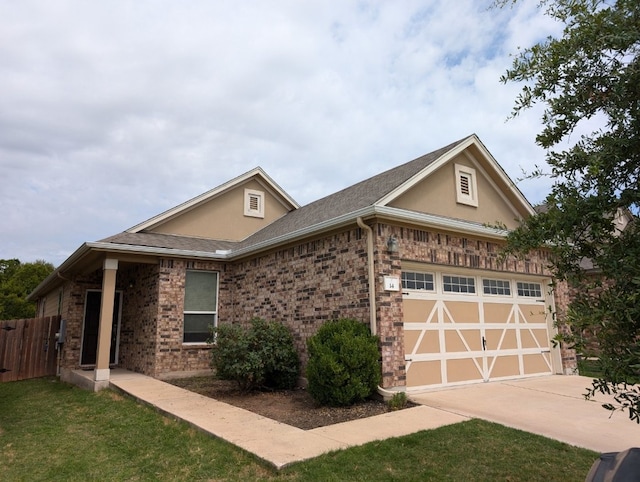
(458, 338)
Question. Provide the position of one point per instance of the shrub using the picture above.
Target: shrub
(344, 365)
(398, 401)
(260, 355)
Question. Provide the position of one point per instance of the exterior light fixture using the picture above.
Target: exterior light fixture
(392, 244)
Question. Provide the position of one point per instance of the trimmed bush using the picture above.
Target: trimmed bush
(344, 366)
(262, 355)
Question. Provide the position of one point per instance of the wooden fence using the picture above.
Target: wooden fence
(28, 348)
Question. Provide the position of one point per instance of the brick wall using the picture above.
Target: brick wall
(73, 313)
(139, 318)
(302, 286)
(171, 354)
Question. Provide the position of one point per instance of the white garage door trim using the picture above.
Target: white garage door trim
(469, 340)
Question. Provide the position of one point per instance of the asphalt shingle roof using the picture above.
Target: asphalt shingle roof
(361, 195)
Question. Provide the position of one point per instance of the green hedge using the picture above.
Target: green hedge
(344, 363)
(260, 355)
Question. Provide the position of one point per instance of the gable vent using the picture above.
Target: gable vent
(253, 203)
(464, 185)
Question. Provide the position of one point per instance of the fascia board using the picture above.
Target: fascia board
(114, 248)
(276, 188)
(434, 166)
(503, 176)
(55, 275)
(337, 222)
(440, 222)
(471, 140)
(134, 249)
(185, 206)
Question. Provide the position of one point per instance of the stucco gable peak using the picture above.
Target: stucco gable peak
(256, 173)
(472, 141)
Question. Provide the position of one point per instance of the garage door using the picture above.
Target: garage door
(466, 328)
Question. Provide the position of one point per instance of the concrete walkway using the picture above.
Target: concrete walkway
(553, 406)
(274, 442)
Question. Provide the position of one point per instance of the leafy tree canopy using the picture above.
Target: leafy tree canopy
(588, 80)
(17, 280)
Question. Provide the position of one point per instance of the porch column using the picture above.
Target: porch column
(101, 372)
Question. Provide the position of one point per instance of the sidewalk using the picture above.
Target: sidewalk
(272, 441)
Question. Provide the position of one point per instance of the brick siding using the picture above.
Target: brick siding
(302, 286)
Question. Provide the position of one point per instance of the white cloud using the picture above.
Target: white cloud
(114, 111)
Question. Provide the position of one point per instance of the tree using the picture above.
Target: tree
(17, 280)
(590, 76)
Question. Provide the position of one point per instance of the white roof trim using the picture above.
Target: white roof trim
(446, 157)
(427, 220)
(185, 206)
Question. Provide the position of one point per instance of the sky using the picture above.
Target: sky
(112, 112)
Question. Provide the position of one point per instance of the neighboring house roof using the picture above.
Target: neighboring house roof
(369, 198)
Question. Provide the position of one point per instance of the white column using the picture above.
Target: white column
(101, 372)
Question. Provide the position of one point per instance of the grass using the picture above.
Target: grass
(590, 367)
(53, 431)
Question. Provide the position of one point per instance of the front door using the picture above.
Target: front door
(91, 326)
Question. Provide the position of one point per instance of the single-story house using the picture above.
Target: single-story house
(413, 252)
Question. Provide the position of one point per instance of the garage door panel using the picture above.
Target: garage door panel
(456, 338)
(464, 370)
(411, 340)
(498, 312)
(534, 338)
(501, 339)
(462, 341)
(430, 343)
(503, 366)
(542, 337)
(422, 373)
(532, 314)
(463, 312)
(536, 363)
(417, 311)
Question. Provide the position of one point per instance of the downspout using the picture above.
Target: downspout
(387, 394)
(372, 279)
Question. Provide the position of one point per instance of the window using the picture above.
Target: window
(533, 290)
(417, 281)
(458, 284)
(496, 287)
(200, 305)
(466, 188)
(253, 203)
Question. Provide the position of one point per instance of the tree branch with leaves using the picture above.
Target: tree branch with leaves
(588, 80)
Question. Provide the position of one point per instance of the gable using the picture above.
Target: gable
(225, 215)
(462, 188)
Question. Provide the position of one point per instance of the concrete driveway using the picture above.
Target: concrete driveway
(553, 406)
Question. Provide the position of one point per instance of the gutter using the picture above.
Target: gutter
(427, 220)
(372, 279)
(85, 248)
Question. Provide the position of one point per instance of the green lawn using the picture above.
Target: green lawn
(53, 431)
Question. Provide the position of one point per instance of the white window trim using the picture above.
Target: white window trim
(433, 280)
(191, 312)
(476, 291)
(250, 194)
(510, 295)
(534, 296)
(469, 173)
